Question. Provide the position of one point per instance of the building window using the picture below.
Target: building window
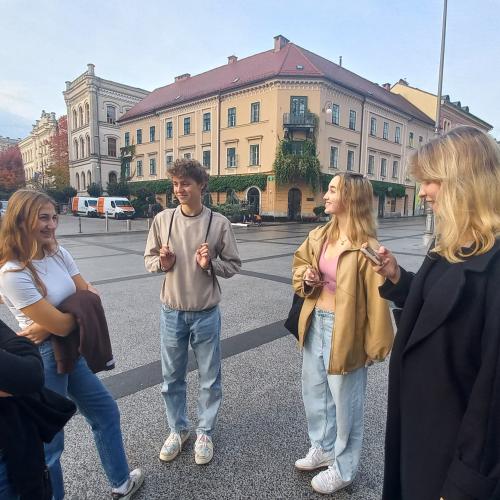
(254, 155)
(169, 130)
(386, 131)
(371, 164)
(187, 156)
(112, 147)
(82, 148)
(138, 168)
(383, 167)
(152, 166)
(395, 169)
(187, 125)
(373, 126)
(89, 177)
(152, 132)
(169, 159)
(334, 157)
(87, 113)
(397, 135)
(335, 114)
(127, 139)
(420, 140)
(80, 114)
(75, 120)
(87, 138)
(231, 117)
(350, 160)
(75, 147)
(298, 105)
(139, 135)
(84, 185)
(297, 148)
(206, 158)
(231, 157)
(352, 119)
(206, 122)
(111, 114)
(126, 169)
(255, 112)
(410, 139)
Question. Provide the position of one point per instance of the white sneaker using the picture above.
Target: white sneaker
(125, 492)
(328, 481)
(173, 445)
(203, 449)
(314, 459)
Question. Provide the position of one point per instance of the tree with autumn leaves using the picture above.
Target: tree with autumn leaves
(58, 170)
(11, 169)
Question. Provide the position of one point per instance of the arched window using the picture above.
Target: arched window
(76, 149)
(87, 113)
(89, 177)
(88, 145)
(112, 178)
(80, 116)
(83, 181)
(75, 123)
(82, 148)
(77, 182)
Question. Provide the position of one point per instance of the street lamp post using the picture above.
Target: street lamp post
(429, 215)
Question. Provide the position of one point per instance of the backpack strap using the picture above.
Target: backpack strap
(170, 226)
(212, 272)
(209, 224)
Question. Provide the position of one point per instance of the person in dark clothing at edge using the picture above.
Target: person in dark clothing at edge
(443, 423)
(29, 416)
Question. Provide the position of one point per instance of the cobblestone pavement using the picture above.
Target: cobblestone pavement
(261, 429)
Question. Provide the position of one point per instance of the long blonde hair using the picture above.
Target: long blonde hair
(356, 196)
(17, 241)
(466, 163)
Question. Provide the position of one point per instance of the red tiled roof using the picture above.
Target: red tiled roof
(263, 66)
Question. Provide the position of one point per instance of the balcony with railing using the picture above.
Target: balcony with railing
(299, 120)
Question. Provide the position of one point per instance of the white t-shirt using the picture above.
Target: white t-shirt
(18, 288)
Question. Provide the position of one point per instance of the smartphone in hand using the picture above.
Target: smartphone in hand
(369, 253)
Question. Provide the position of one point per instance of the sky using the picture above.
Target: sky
(146, 43)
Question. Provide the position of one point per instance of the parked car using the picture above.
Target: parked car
(3, 207)
(117, 207)
(84, 205)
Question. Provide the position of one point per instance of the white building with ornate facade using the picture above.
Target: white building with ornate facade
(94, 105)
(35, 149)
(7, 142)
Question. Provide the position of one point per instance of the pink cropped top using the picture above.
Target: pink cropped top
(328, 269)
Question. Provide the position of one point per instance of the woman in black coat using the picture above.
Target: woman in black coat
(443, 423)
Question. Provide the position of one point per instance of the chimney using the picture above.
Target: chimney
(90, 69)
(386, 86)
(184, 76)
(279, 42)
(231, 59)
(340, 61)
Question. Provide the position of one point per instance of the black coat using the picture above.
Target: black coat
(443, 422)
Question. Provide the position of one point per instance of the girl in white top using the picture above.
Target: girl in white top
(36, 275)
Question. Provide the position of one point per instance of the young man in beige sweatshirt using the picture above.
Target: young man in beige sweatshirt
(191, 245)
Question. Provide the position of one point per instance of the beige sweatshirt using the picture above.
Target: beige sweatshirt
(187, 287)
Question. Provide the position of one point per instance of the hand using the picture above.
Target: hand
(35, 333)
(312, 278)
(369, 362)
(203, 256)
(5, 394)
(167, 258)
(93, 289)
(389, 268)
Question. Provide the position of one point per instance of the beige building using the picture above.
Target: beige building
(94, 105)
(35, 149)
(232, 119)
(452, 114)
(7, 142)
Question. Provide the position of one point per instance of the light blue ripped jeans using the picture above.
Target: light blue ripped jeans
(334, 404)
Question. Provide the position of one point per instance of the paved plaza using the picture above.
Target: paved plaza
(261, 429)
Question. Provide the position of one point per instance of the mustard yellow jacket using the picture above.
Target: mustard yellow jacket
(362, 329)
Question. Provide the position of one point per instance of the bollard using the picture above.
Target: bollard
(107, 222)
(79, 224)
(129, 224)
(149, 223)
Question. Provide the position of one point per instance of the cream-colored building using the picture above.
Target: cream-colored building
(94, 105)
(7, 142)
(452, 114)
(35, 149)
(233, 117)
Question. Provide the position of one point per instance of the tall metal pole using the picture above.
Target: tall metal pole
(429, 216)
